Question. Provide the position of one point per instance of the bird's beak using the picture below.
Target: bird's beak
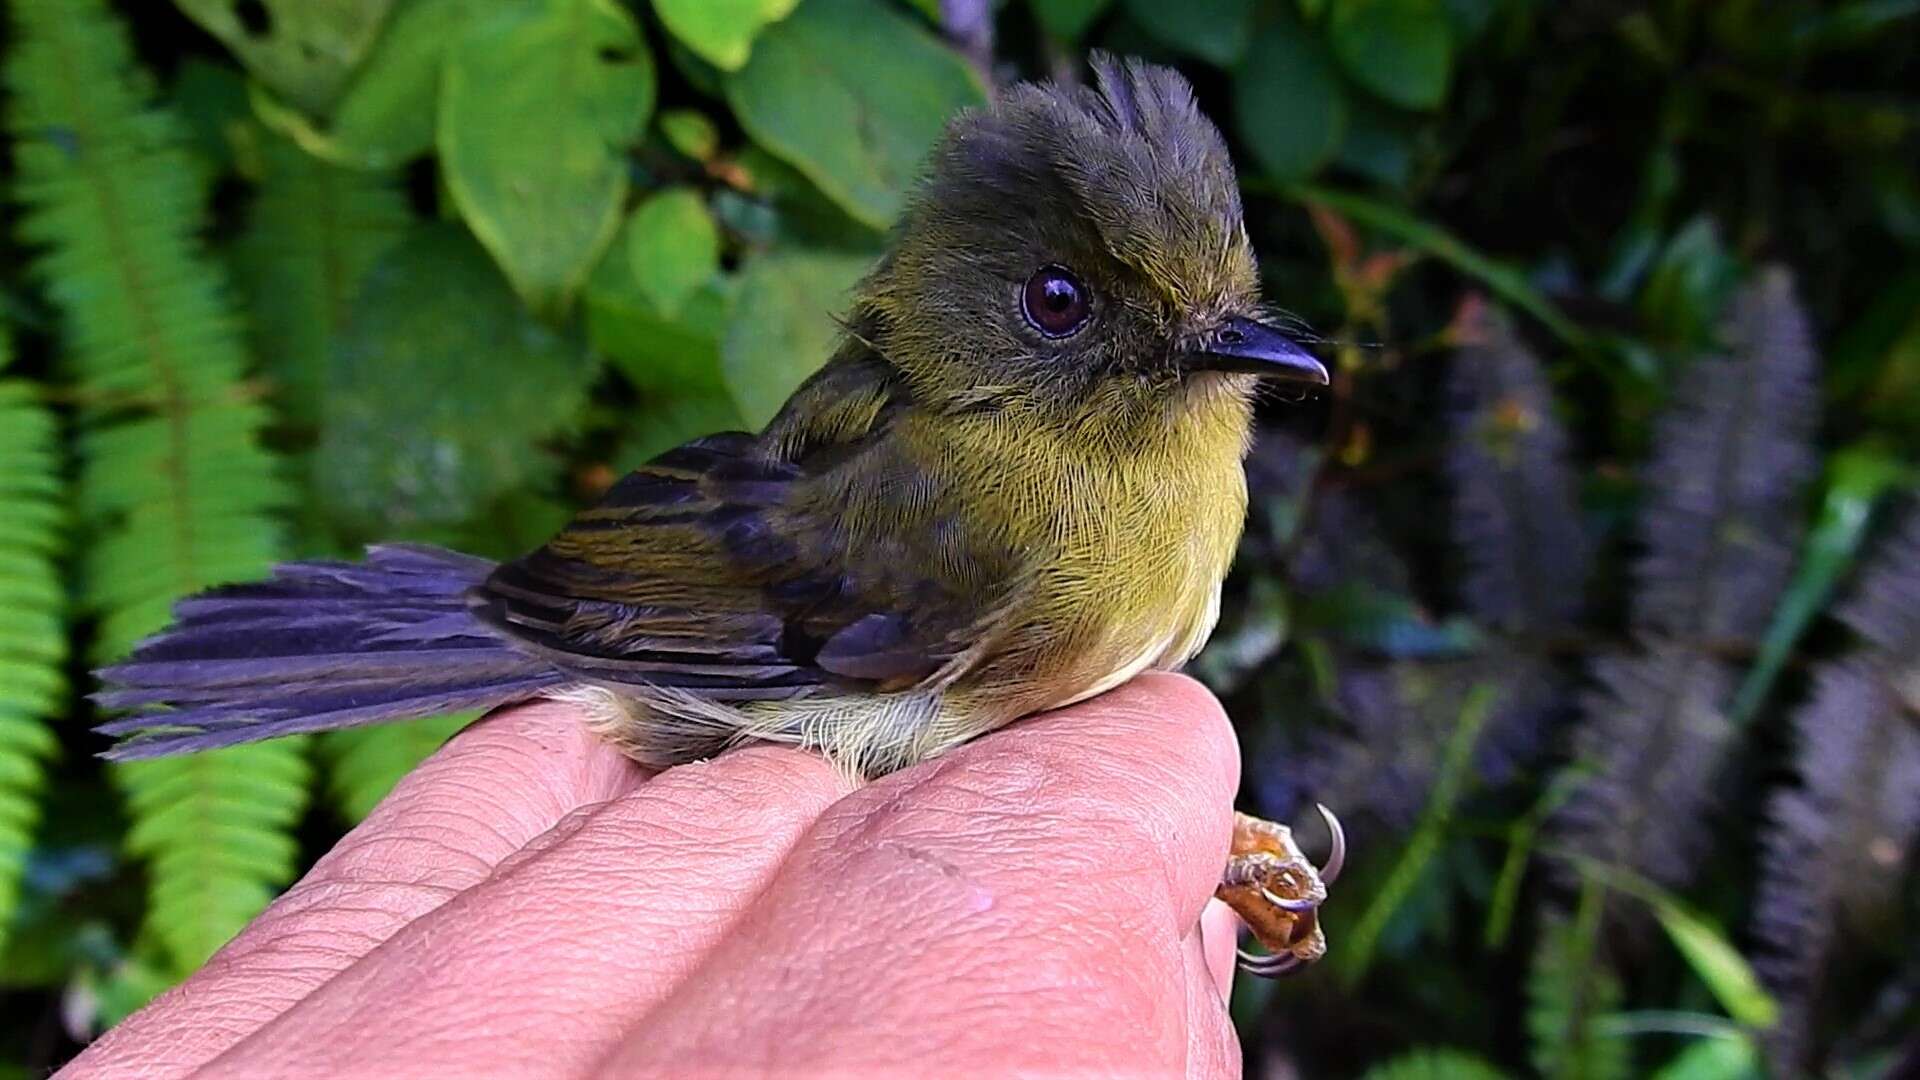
(1245, 346)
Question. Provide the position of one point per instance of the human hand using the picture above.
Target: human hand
(530, 903)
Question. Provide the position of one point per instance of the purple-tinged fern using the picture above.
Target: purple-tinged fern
(1516, 514)
(1718, 533)
(1837, 844)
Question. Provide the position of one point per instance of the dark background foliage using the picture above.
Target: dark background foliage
(1589, 596)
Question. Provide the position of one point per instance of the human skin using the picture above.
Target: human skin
(530, 903)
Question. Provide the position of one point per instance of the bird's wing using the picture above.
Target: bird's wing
(702, 571)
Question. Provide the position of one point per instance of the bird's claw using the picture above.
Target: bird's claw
(1278, 893)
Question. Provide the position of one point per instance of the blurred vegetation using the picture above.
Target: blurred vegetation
(1590, 596)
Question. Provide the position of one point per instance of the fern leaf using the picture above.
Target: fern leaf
(1719, 532)
(175, 490)
(1568, 991)
(1654, 734)
(1837, 843)
(1731, 462)
(33, 639)
(1434, 1064)
(1516, 515)
(312, 232)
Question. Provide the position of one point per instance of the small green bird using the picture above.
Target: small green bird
(1016, 485)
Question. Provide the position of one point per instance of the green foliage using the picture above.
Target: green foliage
(536, 104)
(823, 91)
(1541, 601)
(174, 492)
(33, 636)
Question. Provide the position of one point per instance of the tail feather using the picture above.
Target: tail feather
(322, 645)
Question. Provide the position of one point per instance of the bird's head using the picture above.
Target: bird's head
(1076, 249)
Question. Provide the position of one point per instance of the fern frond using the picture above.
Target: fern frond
(1516, 513)
(1731, 462)
(1654, 735)
(1434, 1064)
(363, 764)
(312, 232)
(1837, 844)
(176, 492)
(1719, 532)
(33, 636)
(1885, 607)
(1568, 990)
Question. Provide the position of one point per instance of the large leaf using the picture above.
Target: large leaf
(303, 49)
(782, 326)
(1287, 101)
(657, 351)
(1213, 30)
(440, 389)
(853, 94)
(721, 31)
(537, 106)
(1398, 49)
(386, 113)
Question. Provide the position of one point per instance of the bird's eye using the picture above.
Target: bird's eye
(1055, 301)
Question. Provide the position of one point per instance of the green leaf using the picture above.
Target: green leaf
(313, 230)
(1287, 101)
(1216, 31)
(1068, 19)
(538, 104)
(1455, 772)
(721, 31)
(657, 352)
(1440, 1064)
(439, 390)
(303, 49)
(1717, 963)
(691, 133)
(853, 94)
(1857, 477)
(386, 114)
(781, 329)
(1400, 50)
(673, 247)
(1688, 286)
(1729, 1058)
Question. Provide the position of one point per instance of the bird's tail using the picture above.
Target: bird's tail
(322, 645)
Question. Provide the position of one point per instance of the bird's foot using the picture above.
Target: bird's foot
(1278, 893)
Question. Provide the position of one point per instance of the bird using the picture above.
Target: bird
(1016, 483)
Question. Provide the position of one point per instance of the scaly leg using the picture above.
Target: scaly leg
(1278, 893)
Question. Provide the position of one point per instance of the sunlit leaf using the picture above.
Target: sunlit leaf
(721, 31)
(853, 94)
(537, 106)
(1718, 964)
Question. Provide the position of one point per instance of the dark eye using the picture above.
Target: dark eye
(1055, 302)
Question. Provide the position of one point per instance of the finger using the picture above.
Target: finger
(1220, 933)
(567, 946)
(443, 828)
(1213, 1048)
(1020, 903)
